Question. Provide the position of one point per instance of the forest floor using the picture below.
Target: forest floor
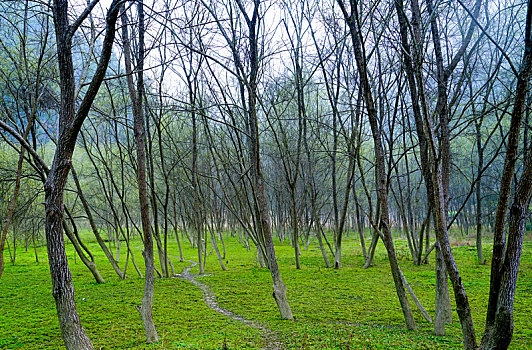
(350, 308)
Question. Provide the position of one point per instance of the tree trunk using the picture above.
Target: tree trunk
(215, 245)
(176, 229)
(70, 123)
(440, 156)
(502, 286)
(503, 325)
(295, 227)
(443, 302)
(146, 309)
(319, 230)
(79, 250)
(371, 251)
(279, 289)
(360, 227)
(35, 248)
(94, 229)
(462, 303)
(478, 216)
(381, 178)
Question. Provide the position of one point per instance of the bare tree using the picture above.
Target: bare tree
(70, 122)
(137, 97)
(30, 107)
(249, 80)
(352, 19)
(505, 266)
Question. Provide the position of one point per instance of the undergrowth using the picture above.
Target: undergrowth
(350, 308)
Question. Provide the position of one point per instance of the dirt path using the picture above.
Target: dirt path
(269, 336)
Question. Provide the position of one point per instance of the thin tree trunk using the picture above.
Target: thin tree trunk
(351, 19)
(176, 230)
(478, 216)
(14, 256)
(136, 96)
(371, 251)
(215, 245)
(414, 297)
(79, 250)
(317, 222)
(295, 227)
(94, 229)
(360, 226)
(35, 248)
(279, 288)
(197, 218)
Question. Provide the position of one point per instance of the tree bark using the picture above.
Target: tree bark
(478, 190)
(279, 288)
(440, 157)
(499, 316)
(137, 96)
(503, 325)
(443, 302)
(351, 20)
(70, 123)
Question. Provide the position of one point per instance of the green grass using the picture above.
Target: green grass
(349, 308)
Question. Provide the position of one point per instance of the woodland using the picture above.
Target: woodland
(242, 174)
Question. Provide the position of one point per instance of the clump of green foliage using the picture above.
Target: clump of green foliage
(350, 308)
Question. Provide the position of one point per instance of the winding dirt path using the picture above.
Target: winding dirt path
(270, 337)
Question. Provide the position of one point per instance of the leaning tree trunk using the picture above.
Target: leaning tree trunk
(70, 123)
(499, 317)
(440, 153)
(412, 64)
(380, 173)
(261, 204)
(503, 325)
(94, 229)
(279, 288)
(146, 309)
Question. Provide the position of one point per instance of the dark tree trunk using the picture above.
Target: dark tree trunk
(264, 221)
(70, 123)
(382, 188)
(442, 306)
(500, 304)
(94, 229)
(137, 96)
(503, 325)
(441, 160)
(478, 216)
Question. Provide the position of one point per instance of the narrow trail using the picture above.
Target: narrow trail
(270, 337)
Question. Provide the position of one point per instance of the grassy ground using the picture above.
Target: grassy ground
(349, 308)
